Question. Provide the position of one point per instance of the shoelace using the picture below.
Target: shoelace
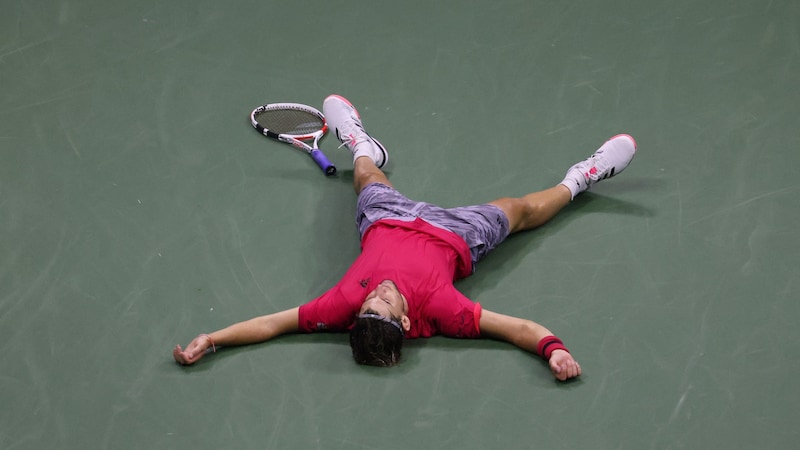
(352, 141)
(596, 170)
(350, 129)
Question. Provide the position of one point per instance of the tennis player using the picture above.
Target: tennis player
(401, 285)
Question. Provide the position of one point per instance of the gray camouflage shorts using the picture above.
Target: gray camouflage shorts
(483, 227)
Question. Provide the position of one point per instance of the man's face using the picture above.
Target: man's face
(386, 301)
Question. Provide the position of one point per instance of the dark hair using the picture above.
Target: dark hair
(376, 342)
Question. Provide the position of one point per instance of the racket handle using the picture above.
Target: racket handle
(323, 162)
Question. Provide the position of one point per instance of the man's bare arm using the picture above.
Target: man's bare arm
(255, 330)
(527, 335)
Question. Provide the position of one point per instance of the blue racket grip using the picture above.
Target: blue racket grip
(323, 162)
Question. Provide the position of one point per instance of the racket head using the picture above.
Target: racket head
(294, 120)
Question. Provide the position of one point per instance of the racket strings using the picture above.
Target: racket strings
(289, 121)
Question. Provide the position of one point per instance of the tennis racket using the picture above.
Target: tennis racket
(294, 123)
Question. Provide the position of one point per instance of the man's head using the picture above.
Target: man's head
(377, 335)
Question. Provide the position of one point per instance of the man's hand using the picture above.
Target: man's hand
(194, 351)
(563, 365)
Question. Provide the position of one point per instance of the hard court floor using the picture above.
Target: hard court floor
(138, 208)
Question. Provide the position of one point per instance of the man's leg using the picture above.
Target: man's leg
(365, 172)
(534, 209)
(537, 208)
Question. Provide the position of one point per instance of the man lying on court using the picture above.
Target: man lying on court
(401, 285)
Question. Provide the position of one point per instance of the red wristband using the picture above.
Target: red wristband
(548, 344)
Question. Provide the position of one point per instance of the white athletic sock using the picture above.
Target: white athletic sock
(365, 148)
(575, 182)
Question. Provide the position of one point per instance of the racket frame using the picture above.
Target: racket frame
(296, 140)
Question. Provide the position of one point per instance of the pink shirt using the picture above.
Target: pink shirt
(423, 261)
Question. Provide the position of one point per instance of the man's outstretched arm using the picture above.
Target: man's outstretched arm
(258, 329)
(528, 335)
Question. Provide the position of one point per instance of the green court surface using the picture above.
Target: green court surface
(139, 208)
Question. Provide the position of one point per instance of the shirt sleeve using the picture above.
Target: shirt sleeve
(328, 312)
(453, 314)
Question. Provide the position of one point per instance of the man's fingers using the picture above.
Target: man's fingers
(565, 370)
(176, 353)
(557, 370)
(181, 356)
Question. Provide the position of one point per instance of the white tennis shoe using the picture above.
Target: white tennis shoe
(609, 160)
(346, 124)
